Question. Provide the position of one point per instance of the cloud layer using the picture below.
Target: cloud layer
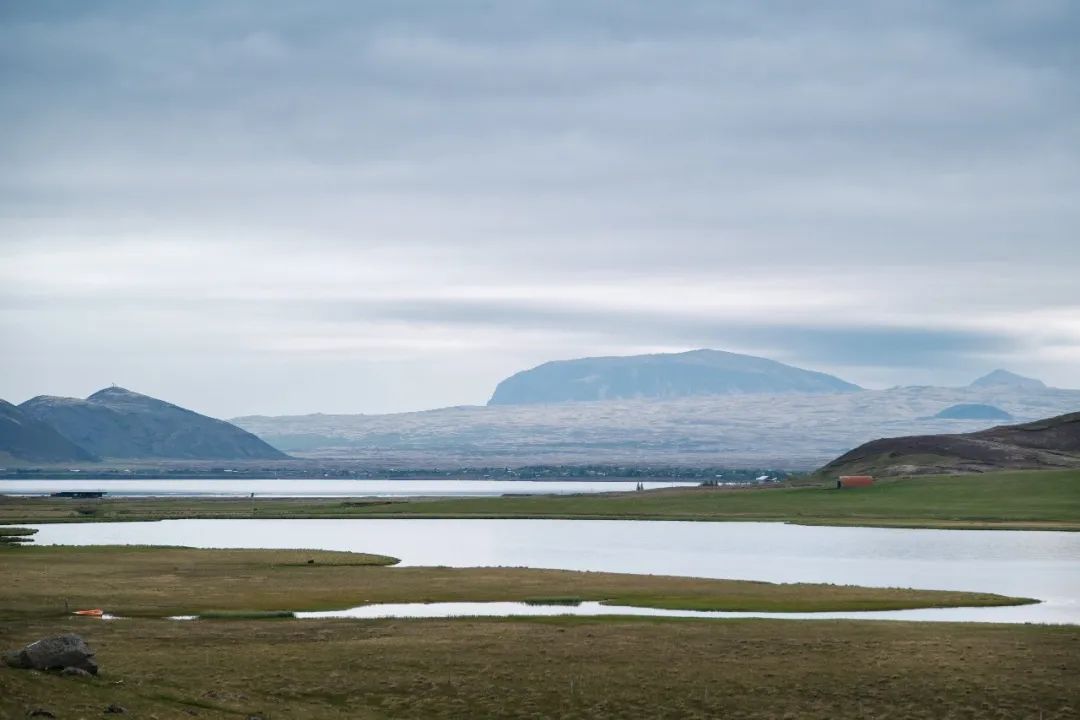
(282, 207)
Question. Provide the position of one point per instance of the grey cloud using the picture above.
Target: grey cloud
(606, 141)
(834, 345)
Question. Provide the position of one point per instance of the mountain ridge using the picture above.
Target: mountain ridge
(792, 431)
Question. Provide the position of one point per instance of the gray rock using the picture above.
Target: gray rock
(40, 712)
(14, 659)
(55, 653)
(114, 709)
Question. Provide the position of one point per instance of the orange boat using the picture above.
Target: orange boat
(96, 612)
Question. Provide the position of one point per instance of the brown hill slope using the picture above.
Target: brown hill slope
(1043, 444)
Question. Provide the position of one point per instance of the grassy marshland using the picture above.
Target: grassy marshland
(1039, 500)
(555, 668)
(147, 581)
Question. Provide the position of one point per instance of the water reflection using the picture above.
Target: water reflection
(327, 488)
(593, 609)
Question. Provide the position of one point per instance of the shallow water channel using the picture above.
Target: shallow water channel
(1043, 565)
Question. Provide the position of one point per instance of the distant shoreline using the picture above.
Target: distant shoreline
(1024, 500)
(358, 470)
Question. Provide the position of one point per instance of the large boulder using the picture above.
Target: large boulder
(54, 653)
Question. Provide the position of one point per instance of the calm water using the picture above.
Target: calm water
(1043, 565)
(324, 488)
(513, 609)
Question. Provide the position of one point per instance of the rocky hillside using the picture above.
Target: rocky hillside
(118, 423)
(23, 437)
(1043, 444)
(665, 376)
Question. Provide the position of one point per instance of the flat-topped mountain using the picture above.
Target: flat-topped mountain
(1004, 378)
(1043, 444)
(119, 423)
(661, 376)
(23, 437)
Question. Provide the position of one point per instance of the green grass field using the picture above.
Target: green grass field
(1008, 500)
(156, 582)
(1012, 499)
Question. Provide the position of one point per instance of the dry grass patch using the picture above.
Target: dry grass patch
(569, 668)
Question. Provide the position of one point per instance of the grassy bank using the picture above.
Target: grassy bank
(1039, 500)
(127, 581)
(569, 668)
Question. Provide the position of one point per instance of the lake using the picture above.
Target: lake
(1043, 565)
(327, 487)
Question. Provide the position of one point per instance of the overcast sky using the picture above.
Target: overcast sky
(283, 207)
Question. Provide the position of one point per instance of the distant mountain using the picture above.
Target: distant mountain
(793, 431)
(973, 411)
(1043, 444)
(1004, 378)
(662, 376)
(118, 423)
(23, 437)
